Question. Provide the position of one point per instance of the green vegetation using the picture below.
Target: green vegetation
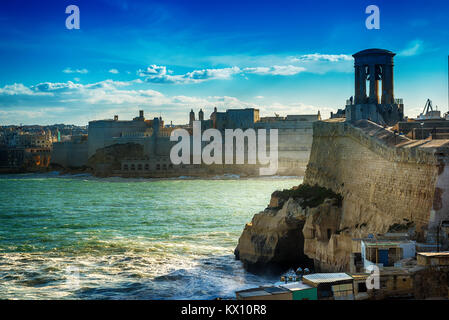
(312, 196)
(398, 227)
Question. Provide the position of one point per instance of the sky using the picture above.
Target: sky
(167, 57)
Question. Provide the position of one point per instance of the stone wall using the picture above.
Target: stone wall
(385, 181)
(69, 154)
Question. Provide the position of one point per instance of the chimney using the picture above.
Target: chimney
(116, 118)
(141, 113)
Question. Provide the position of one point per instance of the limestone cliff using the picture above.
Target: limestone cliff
(274, 241)
(387, 183)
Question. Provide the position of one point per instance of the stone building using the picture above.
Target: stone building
(102, 132)
(294, 143)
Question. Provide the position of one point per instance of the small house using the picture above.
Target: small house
(284, 291)
(386, 252)
(331, 286)
(301, 291)
(433, 258)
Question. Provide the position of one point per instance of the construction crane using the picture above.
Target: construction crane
(429, 113)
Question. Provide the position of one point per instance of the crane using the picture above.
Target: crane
(428, 112)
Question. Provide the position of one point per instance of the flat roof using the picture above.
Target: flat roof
(360, 276)
(296, 286)
(443, 254)
(326, 277)
(258, 293)
(274, 290)
(388, 243)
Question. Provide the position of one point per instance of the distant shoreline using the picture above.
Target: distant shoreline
(58, 174)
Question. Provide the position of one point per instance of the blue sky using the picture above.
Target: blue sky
(166, 57)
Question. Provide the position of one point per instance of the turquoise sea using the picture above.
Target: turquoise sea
(81, 237)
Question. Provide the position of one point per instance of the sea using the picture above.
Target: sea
(82, 237)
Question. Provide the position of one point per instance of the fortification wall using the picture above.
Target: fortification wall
(386, 181)
(101, 133)
(294, 146)
(69, 154)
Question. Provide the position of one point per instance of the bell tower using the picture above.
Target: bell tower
(374, 66)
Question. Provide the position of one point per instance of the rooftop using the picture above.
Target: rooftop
(295, 286)
(386, 243)
(318, 278)
(373, 51)
(444, 254)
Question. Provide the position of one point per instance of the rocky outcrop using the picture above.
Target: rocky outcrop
(273, 241)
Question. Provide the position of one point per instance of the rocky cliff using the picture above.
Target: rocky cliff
(273, 241)
(387, 183)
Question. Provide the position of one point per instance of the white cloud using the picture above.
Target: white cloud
(153, 70)
(288, 70)
(208, 74)
(113, 71)
(323, 57)
(160, 74)
(414, 48)
(266, 65)
(16, 89)
(69, 102)
(69, 70)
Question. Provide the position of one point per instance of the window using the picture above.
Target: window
(158, 167)
(133, 167)
(147, 167)
(125, 167)
(139, 167)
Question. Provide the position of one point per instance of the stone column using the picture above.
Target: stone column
(373, 85)
(363, 96)
(384, 97)
(357, 85)
(360, 85)
(387, 83)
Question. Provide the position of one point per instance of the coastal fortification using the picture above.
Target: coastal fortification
(387, 183)
(294, 144)
(363, 180)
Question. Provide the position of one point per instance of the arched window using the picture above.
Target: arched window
(158, 167)
(133, 167)
(139, 167)
(147, 166)
(125, 167)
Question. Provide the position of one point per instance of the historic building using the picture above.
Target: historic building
(374, 66)
(294, 143)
